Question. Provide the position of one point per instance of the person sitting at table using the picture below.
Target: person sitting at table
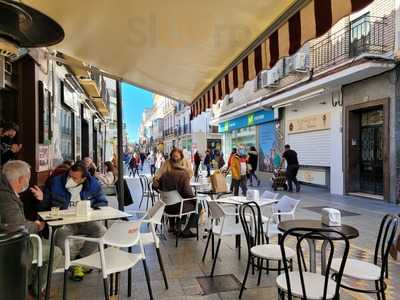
(63, 190)
(13, 181)
(176, 177)
(109, 177)
(181, 163)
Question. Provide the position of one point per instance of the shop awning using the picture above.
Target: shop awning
(193, 51)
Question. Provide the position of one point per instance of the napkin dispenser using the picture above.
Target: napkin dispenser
(331, 217)
(83, 208)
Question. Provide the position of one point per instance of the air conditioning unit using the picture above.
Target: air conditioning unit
(275, 74)
(289, 65)
(301, 62)
(264, 79)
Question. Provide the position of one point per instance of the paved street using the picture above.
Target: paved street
(184, 266)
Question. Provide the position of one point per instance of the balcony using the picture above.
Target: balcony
(213, 129)
(169, 131)
(365, 35)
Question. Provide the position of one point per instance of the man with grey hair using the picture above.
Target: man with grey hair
(13, 181)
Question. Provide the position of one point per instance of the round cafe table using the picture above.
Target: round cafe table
(348, 231)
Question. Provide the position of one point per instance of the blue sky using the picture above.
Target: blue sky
(135, 100)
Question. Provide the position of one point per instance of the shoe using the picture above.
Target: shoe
(187, 234)
(77, 273)
(258, 182)
(298, 188)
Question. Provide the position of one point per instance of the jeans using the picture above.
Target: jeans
(152, 169)
(208, 170)
(196, 171)
(252, 174)
(92, 229)
(242, 182)
(291, 176)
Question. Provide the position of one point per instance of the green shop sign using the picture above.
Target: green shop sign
(256, 118)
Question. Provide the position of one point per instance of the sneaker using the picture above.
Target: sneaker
(258, 182)
(77, 273)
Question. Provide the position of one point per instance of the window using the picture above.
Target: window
(67, 133)
(360, 29)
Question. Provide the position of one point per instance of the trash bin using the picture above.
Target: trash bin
(15, 260)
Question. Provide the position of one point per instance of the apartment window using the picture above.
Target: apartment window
(360, 30)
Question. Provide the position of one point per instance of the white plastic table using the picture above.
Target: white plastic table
(68, 217)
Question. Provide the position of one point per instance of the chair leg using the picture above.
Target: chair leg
(39, 270)
(245, 276)
(215, 258)
(208, 242)
(212, 246)
(260, 267)
(378, 292)
(279, 267)
(111, 284)
(162, 267)
(146, 273)
(252, 266)
(106, 293)
(267, 263)
(197, 226)
(116, 284)
(178, 223)
(130, 277)
(383, 290)
(65, 285)
(239, 245)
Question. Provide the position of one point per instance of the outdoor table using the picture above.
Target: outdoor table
(212, 194)
(239, 200)
(68, 217)
(195, 185)
(348, 231)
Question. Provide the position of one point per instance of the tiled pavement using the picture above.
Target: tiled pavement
(183, 264)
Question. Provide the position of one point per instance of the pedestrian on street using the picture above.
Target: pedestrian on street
(234, 151)
(207, 162)
(253, 162)
(239, 171)
(152, 160)
(219, 159)
(197, 162)
(292, 167)
(159, 160)
(133, 166)
(8, 149)
(142, 157)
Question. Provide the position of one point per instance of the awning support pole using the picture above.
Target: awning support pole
(120, 181)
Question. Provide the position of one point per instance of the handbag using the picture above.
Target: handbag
(218, 182)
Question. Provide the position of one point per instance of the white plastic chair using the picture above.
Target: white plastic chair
(152, 217)
(173, 197)
(223, 223)
(38, 261)
(112, 259)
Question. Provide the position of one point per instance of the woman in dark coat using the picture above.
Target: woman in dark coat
(253, 162)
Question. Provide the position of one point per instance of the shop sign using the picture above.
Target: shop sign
(310, 123)
(312, 176)
(256, 118)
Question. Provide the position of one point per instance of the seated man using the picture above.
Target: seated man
(73, 186)
(13, 181)
(175, 176)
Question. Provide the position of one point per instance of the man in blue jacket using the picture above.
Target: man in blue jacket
(66, 189)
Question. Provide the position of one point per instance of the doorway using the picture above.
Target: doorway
(367, 149)
(85, 138)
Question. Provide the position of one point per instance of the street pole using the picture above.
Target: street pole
(120, 181)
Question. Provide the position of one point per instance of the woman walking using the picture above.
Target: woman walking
(253, 162)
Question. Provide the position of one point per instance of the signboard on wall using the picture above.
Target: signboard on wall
(44, 158)
(256, 118)
(269, 154)
(313, 176)
(309, 123)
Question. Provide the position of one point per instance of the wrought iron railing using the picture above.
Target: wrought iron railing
(372, 35)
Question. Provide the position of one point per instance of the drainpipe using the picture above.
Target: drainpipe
(120, 182)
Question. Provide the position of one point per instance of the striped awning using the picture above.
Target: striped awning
(310, 22)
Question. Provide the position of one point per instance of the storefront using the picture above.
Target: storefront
(257, 129)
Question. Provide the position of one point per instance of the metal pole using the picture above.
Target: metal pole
(120, 148)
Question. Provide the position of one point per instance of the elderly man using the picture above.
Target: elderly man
(69, 188)
(13, 181)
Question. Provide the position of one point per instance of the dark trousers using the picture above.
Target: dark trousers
(196, 170)
(208, 166)
(152, 169)
(291, 176)
(252, 174)
(242, 183)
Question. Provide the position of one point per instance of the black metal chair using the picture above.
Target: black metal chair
(307, 285)
(146, 194)
(257, 244)
(377, 271)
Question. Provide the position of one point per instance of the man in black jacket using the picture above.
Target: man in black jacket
(292, 167)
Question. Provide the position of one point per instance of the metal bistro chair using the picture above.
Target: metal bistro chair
(372, 272)
(307, 285)
(146, 194)
(250, 216)
(111, 260)
(223, 224)
(172, 198)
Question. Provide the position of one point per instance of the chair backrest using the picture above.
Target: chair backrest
(269, 195)
(216, 210)
(123, 234)
(386, 235)
(253, 195)
(251, 219)
(339, 248)
(286, 204)
(155, 212)
(170, 197)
